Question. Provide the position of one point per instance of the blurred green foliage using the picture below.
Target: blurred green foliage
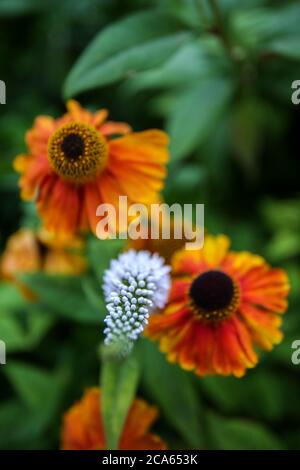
(217, 76)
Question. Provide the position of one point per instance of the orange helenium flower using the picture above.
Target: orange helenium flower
(221, 305)
(28, 251)
(81, 160)
(165, 247)
(83, 428)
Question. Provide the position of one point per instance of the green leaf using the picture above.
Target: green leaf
(101, 252)
(288, 46)
(227, 5)
(190, 177)
(10, 297)
(196, 59)
(293, 439)
(32, 384)
(138, 42)
(93, 293)
(196, 114)
(118, 384)
(283, 218)
(65, 295)
(20, 7)
(190, 12)
(238, 434)
(174, 392)
(256, 27)
(24, 332)
(123, 34)
(19, 423)
(163, 104)
(284, 245)
(249, 129)
(260, 394)
(39, 390)
(282, 214)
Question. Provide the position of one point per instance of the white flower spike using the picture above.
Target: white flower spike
(135, 284)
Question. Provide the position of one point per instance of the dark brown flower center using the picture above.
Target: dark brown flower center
(77, 152)
(72, 146)
(214, 295)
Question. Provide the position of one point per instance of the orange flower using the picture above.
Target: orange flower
(165, 247)
(28, 252)
(83, 428)
(75, 163)
(221, 305)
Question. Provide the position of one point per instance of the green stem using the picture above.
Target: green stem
(118, 382)
(241, 65)
(216, 11)
(200, 8)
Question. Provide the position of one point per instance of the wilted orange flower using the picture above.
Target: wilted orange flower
(81, 160)
(28, 251)
(83, 428)
(165, 247)
(222, 303)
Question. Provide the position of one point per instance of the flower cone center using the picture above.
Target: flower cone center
(214, 295)
(77, 152)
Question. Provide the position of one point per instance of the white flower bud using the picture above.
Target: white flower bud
(135, 284)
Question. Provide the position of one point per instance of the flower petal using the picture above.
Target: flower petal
(233, 351)
(267, 288)
(92, 199)
(137, 186)
(37, 138)
(59, 205)
(34, 171)
(187, 262)
(146, 146)
(215, 249)
(77, 113)
(114, 128)
(264, 326)
(179, 289)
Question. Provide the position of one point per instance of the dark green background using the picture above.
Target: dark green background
(226, 102)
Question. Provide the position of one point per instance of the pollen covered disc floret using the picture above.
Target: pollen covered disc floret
(214, 295)
(134, 285)
(77, 152)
